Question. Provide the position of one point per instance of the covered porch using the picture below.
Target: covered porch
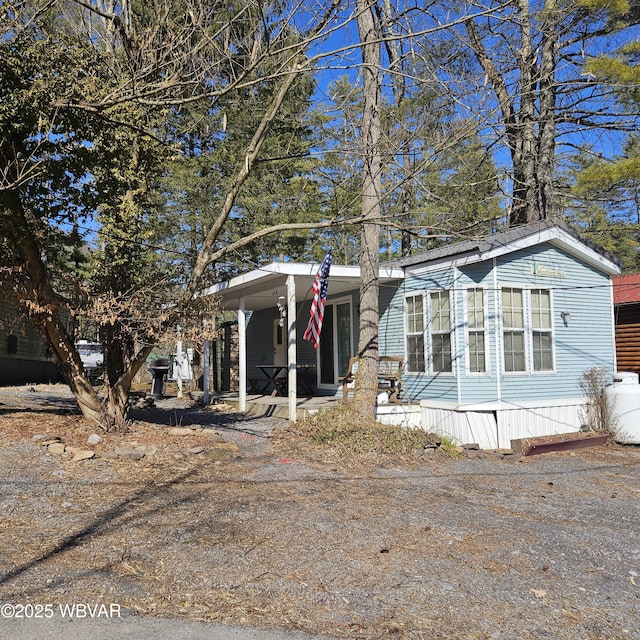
(408, 415)
(276, 368)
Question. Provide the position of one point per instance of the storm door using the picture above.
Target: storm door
(335, 346)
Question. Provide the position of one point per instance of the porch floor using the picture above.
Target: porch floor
(277, 406)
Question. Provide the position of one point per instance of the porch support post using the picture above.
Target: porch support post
(291, 347)
(205, 373)
(242, 356)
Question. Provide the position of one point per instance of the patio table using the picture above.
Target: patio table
(272, 374)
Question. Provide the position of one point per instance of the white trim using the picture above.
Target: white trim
(465, 324)
(428, 333)
(299, 269)
(497, 337)
(292, 373)
(501, 405)
(552, 331)
(613, 327)
(455, 338)
(405, 317)
(242, 356)
(526, 345)
(334, 302)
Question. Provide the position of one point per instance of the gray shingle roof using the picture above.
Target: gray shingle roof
(495, 241)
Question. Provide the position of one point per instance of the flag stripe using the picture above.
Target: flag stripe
(319, 288)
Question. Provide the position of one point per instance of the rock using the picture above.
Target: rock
(94, 438)
(432, 441)
(129, 453)
(196, 450)
(82, 455)
(56, 448)
(109, 455)
(149, 449)
(216, 436)
(40, 436)
(224, 451)
(143, 403)
(50, 440)
(471, 446)
(183, 431)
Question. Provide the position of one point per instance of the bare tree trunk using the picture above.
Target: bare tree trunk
(47, 313)
(366, 382)
(528, 116)
(548, 91)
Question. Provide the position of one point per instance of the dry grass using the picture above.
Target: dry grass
(375, 544)
(339, 434)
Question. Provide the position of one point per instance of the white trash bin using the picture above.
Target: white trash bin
(623, 398)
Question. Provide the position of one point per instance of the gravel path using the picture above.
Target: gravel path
(540, 547)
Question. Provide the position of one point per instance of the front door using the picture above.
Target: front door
(335, 342)
(279, 343)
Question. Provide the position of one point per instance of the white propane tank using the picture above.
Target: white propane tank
(623, 398)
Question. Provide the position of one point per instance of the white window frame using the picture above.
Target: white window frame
(417, 334)
(537, 330)
(528, 331)
(514, 330)
(469, 330)
(430, 332)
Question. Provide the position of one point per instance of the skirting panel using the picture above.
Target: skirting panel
(495, 426)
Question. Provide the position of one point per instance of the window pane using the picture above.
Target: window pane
(415, 353)
(441, 351)
(475, 308)
(541, 309)
(512, 308)
(542, 352)
(514, 359)
(477, 362)
(415, 316)
(440, 311)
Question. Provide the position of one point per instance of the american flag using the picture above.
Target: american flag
(319, 289)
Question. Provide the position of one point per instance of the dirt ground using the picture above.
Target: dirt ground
(217, 524)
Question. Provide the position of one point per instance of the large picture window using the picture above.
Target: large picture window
(518, 333)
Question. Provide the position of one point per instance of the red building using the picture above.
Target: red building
(626, 300)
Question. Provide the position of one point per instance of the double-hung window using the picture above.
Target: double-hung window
(541, 335)
(428, 331)
(527, 330)
(440, 331)
(415, 333)
(513, 329)
(476, 336)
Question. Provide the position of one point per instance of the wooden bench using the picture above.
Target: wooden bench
(389, 371)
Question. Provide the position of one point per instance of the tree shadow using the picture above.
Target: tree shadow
(112, 517)
(54, 406)
(199, 415)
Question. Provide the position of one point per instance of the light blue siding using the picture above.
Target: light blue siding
(586, 342)
(415, 385)
(575, 287)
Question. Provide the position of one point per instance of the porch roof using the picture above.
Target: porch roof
(261, 287)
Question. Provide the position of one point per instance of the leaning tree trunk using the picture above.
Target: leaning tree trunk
(48, 312)
(366, 381)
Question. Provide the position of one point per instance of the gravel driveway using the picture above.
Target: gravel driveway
(541, 547)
